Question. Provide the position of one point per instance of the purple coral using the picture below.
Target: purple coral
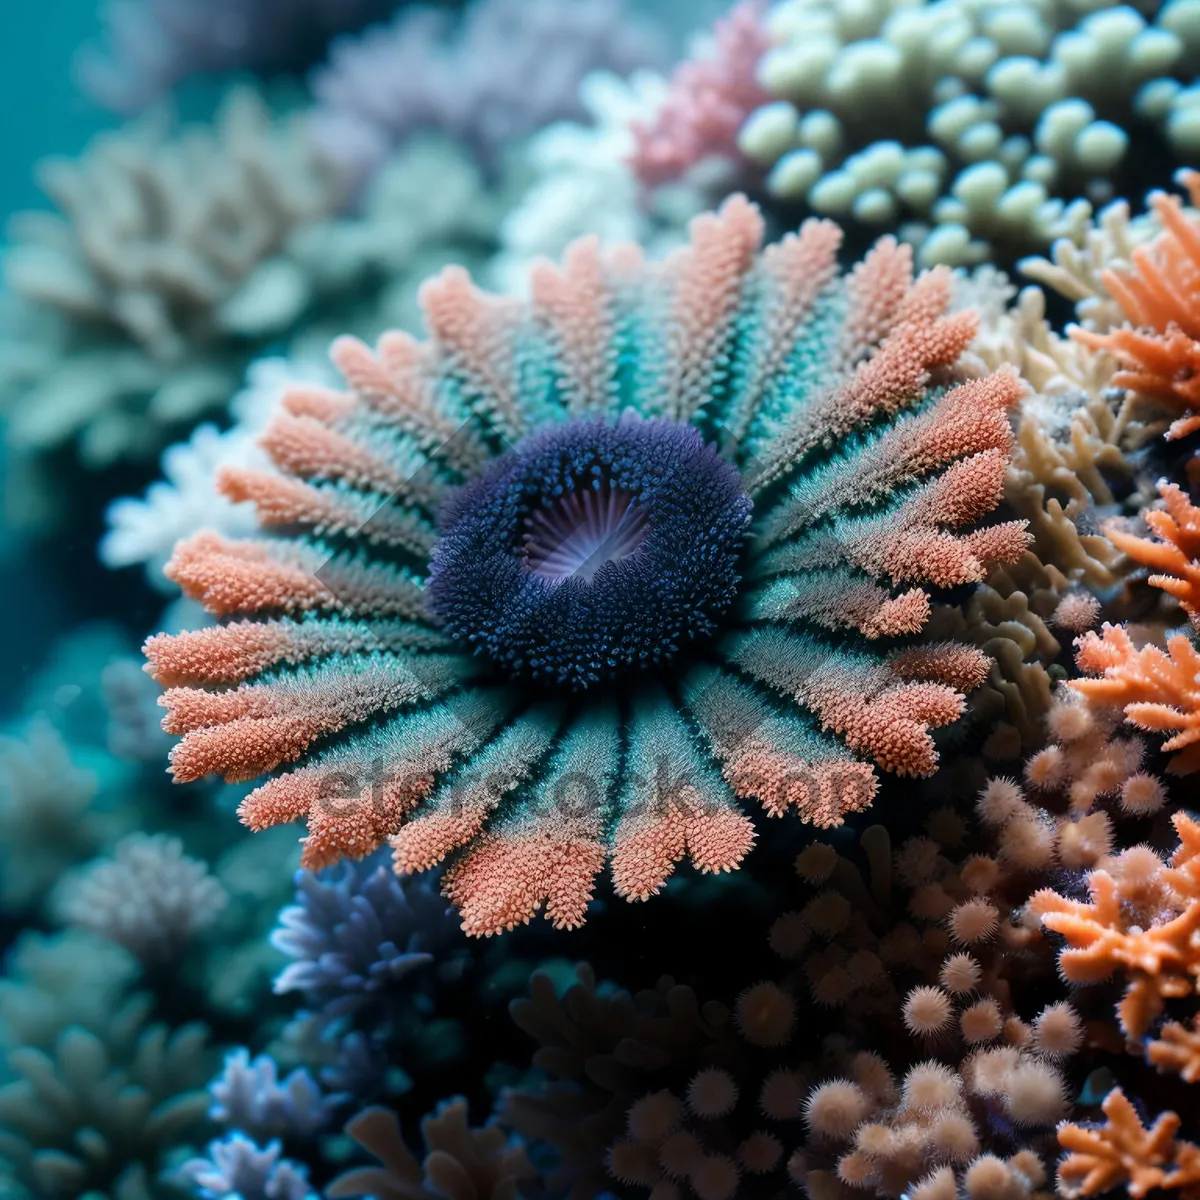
(151, 45)
(502, 70)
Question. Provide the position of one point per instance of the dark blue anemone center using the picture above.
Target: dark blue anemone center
(592, 549)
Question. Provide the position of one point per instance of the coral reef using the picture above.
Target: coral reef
(787, 360)
(502, 70)
(983, 130)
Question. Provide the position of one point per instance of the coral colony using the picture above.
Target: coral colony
(764, 487)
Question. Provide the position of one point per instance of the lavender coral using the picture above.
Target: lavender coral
(423, 708)
(151, 45)
(502, 70)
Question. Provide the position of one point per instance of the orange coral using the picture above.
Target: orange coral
(1146, 924)
(1176, 557)
(1161, 299)
(1177, 1050)
(1158, 691)
(1125, 1151)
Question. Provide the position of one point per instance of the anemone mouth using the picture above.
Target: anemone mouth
(591, 550)
(574, 536)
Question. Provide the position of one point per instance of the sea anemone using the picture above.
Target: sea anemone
(563, 582)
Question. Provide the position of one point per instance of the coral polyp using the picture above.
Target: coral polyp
(591, 549)
(568, 580)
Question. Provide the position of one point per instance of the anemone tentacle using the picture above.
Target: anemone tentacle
(574, 577)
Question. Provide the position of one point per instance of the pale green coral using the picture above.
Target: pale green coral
(985, 128)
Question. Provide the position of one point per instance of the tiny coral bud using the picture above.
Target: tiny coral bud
(1142, 794)
(714, 1178)
(1084, 842)
(790, 935)
(873, 1075)
(875, 1141)
(1036, 1094)
(1104, 776)
(833, 987)
(973, 921)
(938, 1185)
(1137, 869)
(989, 1178)
(766, 1015)
(679, 1153)
(828, 913)
(946, 828)
(1027, 844)
(953, 1136)
(1082, 795)
(815, 863)
(856, 1170)
(1030, 1167)
(633, 1164)
(927, 1011)
(980, 873)
(1069, 720)
(1058, 1031)
(930, 1086)
(1016, 1032)
(836, 1109)
(760, 1152)
(1000, 800)
(916, 861)
(930, 902)
(988, 1071)
(1076, 612)
(782, 1095)
(1047, 769)
(654, 1117)
(1127, 754)
(960, 974)
(981, 1022)
(711, 1093)
(865, 968)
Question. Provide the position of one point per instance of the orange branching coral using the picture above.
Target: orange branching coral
(1176, 558)
(1178, 1050)
(1124, 1151)
(1158, 691)
(1142, 919)
(1160, 297)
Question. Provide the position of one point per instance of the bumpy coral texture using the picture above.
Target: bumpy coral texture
(867, 471)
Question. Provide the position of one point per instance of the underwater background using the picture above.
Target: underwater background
(601, 599)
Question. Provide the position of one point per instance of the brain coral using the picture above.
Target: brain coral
(680, 509)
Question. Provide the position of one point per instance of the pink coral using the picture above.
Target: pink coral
(710, 98)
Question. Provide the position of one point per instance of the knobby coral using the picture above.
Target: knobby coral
(498, 657)
(980, 127)
(1157, 690)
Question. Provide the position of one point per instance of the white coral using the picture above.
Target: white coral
(583, 183)
(145, 530)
